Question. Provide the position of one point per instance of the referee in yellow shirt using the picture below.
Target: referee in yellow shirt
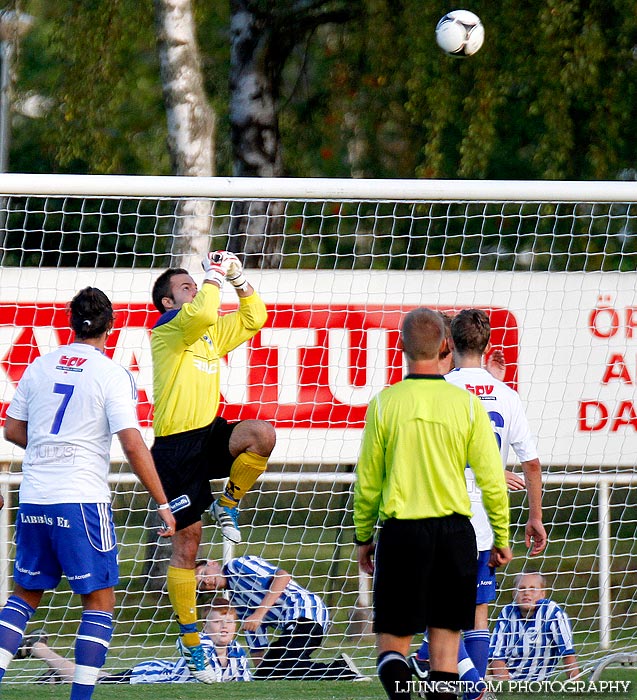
(419, 436)
(192, 443)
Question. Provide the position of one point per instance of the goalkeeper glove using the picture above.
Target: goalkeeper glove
(216, 266)
(235, 274)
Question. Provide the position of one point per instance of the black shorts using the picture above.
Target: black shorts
(425, 575)
(186, 462)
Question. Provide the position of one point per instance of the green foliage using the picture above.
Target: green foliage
(96, 60)
(213, 34)
(546, 97)
(552, 94)
(358, 235)
(104, 233)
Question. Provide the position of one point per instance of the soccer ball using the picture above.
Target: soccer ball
(460, 33)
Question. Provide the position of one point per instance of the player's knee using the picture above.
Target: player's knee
(265, 438)
(255, 436)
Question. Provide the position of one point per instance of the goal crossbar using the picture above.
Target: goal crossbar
(317, 188)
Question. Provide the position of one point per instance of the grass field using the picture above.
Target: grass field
(285, 690)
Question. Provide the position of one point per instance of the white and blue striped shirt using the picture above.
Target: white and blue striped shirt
(531, 647)
(249, 579)
(169, 671)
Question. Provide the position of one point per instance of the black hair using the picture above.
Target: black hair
(91, 313)
(161, 288)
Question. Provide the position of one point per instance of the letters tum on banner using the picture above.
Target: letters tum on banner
(310, 367)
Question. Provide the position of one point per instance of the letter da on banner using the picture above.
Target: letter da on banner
(612, 408)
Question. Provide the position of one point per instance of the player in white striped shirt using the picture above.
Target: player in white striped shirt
(531, 635)
(227, 658)
(267, 599)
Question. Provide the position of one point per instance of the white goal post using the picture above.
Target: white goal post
(553, 263)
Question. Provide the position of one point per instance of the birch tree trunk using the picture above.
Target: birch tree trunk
(191, 125)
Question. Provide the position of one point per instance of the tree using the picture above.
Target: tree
(551, 93)
(191, 124)
(101, 72)
(263, 34)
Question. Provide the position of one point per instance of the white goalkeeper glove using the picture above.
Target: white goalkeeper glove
(235, 274)
(216, 266)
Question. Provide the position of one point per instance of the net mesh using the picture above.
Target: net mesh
(557, 279)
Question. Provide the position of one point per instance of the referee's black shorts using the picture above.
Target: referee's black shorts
(186, 462)
(425, 575)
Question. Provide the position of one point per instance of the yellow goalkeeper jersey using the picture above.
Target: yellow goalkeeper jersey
(419, 436)
(186, 346)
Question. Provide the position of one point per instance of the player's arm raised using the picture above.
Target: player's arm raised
(237, 278)
(222, 265)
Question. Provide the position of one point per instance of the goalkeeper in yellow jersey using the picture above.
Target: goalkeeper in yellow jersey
(192, 443)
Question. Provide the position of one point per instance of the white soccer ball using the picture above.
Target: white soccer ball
(460, 33)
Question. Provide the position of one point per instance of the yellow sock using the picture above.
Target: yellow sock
(182, 593)
(245, 470)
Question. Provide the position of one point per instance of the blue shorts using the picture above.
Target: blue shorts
(77, 539)
(486, 579)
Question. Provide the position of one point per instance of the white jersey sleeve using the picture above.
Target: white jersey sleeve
(73, 400)
(511, 429)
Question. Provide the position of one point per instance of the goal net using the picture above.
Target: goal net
(338, 264)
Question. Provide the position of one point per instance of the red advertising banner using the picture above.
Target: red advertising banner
(311, 366)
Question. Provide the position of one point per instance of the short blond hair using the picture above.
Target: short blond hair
(422, 333)
(522, 574)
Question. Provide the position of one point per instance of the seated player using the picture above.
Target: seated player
(531, 635)
(226, 657)
(267, 599)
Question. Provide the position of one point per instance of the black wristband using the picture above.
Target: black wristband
(360, 543)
